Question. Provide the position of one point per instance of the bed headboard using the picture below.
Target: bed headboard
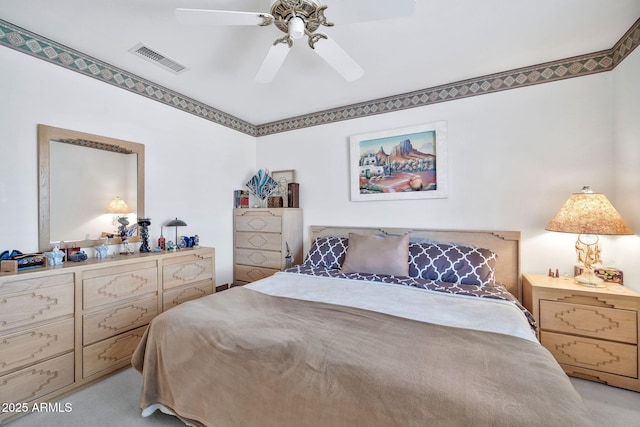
(504, 243)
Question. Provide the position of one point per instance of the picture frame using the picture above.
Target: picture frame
(400, 164)
(283, 178)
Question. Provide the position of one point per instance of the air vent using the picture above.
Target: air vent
(158, 58)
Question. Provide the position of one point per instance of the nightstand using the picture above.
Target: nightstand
(592, 332)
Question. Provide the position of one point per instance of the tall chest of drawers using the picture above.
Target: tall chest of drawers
(262, 240)
(592, 332)
(65, 326)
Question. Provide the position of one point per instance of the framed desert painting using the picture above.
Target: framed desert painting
(407, 163)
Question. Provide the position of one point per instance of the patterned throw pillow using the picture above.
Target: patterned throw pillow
(327, 252)
(452, 263)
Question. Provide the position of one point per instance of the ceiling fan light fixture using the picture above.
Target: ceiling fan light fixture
(296, 28)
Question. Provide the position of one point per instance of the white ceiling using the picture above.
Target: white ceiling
(442, 42)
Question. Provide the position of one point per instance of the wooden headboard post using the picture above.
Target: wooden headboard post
(504, 243)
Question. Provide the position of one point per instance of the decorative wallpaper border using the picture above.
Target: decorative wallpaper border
(40, 47)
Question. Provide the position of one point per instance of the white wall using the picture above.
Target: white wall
(626, 133)
(192, 165)
(514, 159)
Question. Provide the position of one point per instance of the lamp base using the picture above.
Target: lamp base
(589, 278)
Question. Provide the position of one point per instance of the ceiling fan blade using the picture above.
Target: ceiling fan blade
(272, 63)
(338, 59)
(348, 12)
(221, 17)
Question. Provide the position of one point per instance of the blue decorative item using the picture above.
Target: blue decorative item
(261, 185)
(55, 257)
(78, 256)
(102, 251)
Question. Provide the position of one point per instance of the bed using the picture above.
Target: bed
(359, 336)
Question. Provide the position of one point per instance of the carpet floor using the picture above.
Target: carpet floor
(114, 402)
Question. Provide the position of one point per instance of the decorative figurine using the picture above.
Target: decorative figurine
(162, 243)
(144, 224)
(55, 256)
(122, 229)
(78, 256)
(102, 251)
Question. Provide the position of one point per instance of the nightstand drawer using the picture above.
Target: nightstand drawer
(263, 241)
(603, 356)
(589, 321)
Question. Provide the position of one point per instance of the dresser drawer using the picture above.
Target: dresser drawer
(589, 321)
(33, 345)
(598, 355)
(108, 285)
(38, 303)
(246, 273)
(264, 222)
(177, 296)
(262, 241)
(13, 286)
(110, 353)
(38, 380)
(115, 320)
(184, 270)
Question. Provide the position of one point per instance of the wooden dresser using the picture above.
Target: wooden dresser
(592, 332)
(64, 326)
(261, 237)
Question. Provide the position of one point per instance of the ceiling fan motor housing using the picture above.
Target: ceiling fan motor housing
(310, 12)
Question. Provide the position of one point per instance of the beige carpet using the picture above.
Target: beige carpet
(114, 402)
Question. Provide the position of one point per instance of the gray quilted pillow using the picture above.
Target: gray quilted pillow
(327, 252)
(452, 263)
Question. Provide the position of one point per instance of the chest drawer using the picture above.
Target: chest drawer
(115, 320)
(264, 222)
(107, 285)
(589, 321)
(41, 301)
(604, 356)
(258, 258)
(245, 273)
(263, 241)
(32, 345)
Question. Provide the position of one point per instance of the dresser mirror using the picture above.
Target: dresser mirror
(79, 174)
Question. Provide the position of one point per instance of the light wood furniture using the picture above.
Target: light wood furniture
(504, 243)
(261, 237)
(64, 326)
(592, 332)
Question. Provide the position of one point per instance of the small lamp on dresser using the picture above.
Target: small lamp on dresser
(176, 223)
(588, 214)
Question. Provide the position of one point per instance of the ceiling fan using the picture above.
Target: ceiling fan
(299, 18)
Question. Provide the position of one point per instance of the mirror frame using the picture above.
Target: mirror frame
(50, 133)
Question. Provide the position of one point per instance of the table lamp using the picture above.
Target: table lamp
(588, 214)
(176, 223)
(117, 206)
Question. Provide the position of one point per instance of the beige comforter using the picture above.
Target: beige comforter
(243, 358)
